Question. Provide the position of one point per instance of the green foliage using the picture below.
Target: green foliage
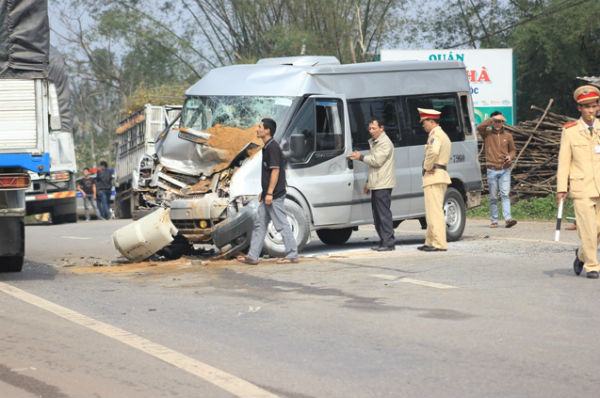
(529, 209)
(552, 51)
(554, 42)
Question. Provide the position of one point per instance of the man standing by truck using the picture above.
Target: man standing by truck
(87, 187)
(272, 199)
(380, 182)
(435, 180)
(103, 188)
(499, 152)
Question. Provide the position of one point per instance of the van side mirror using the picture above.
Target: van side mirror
(297, 146)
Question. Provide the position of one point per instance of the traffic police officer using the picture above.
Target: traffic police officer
(579, 168)
(435, 180)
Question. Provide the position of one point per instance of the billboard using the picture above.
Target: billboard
(490, 73)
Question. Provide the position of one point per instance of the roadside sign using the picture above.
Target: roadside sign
(490, 73)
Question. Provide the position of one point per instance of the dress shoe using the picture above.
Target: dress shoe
(572, 227)
(433, 249)
(386, 249)
(511, 223)
(422, 247)
(577, 264)
(592, 275)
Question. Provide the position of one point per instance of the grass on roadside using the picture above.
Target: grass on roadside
(528, 209)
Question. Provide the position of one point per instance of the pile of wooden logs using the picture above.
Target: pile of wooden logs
(537, 142)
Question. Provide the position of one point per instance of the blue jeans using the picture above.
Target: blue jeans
(87, 202)
(103, 197)
(499, 179)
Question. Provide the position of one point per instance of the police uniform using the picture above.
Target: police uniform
(437, 156)
(579, 171)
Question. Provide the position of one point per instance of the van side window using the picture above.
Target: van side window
(316, 134)
(330, 135)
(464, 102)
(450, 119)
(361, 111)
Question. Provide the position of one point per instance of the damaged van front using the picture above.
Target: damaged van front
(207, 170)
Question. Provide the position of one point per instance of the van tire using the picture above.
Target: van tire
(334, 236)
(273, 243)
(455, 213)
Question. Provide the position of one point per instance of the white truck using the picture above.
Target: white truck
(54, 191)
(136, 137)
(24, 117)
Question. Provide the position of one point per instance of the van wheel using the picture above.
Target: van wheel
(11, 263)
(273, 243)
(334, 236)
(456, 214)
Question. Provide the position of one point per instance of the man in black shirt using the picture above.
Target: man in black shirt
(272, 197)
(87, 187)
(103, 187)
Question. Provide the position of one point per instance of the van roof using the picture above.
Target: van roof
(363, 80)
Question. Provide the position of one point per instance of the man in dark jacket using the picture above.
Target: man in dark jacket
(103, 188)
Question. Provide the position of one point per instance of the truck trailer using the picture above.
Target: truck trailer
(54, 191)
(24, 117)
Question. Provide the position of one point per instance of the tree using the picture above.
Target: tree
(553, 50)
(554, 41)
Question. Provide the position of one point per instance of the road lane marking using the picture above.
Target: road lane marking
(413, 281)
(552, 242)
(221, 379)
(75, 237)
(385, 276)
(425, 283)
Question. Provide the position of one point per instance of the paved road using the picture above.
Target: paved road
(499, 314)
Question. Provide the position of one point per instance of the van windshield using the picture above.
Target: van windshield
(202, 113)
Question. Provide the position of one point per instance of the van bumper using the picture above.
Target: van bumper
(230, 235)
(233, 234)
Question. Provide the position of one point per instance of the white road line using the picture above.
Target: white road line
(75, 237)
(552, 242)
(221, 379)
(413, 281)
(385, 276)
(425, 283)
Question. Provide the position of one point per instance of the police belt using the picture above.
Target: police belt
(435, 166)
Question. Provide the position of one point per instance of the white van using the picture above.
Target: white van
(322, 110)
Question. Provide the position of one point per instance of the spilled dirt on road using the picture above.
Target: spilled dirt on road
(146, 267)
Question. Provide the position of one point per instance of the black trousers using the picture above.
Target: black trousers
(381, 200)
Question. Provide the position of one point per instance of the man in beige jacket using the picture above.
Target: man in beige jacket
(381, 180)
(435, 180)
(579, 170)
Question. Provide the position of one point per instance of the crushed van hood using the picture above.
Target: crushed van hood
(215, 150)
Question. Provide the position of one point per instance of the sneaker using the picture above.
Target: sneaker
(511, 223)
(494, 225)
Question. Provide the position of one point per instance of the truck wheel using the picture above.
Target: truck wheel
(334, 236)
(11, 263)
(456, 214)
(299, 222)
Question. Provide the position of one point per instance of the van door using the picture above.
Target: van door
(390, 113)
(317, 143)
